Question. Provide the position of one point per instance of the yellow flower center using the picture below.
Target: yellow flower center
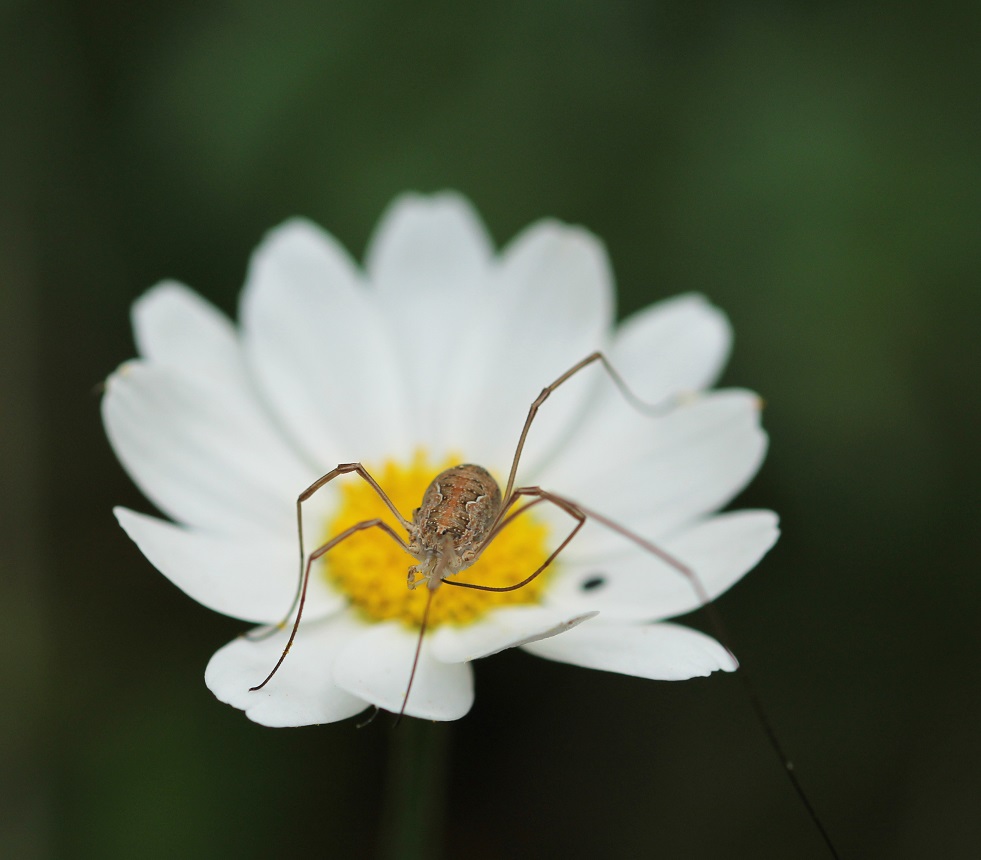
(371, 568)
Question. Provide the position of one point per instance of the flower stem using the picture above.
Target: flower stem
(412, 820)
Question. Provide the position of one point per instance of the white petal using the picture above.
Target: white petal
(431, 244)
(632, 584)
(319, 350)
(252, 577)
(674, 346)
(659, 473)
(302, 692)
(376, 666)
(201, 450)
(661, 652)
(174, 326)
(503, 628)
(428, 262)
(549, 305)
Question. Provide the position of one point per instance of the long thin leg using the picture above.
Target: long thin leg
(649, 408)
(346, 469)
(539, 495)
(506, 521)
(719, 629)
(580, 511)
(342, 469)
(415, 658)
(317, 553)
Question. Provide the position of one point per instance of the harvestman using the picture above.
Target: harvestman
(461, 514)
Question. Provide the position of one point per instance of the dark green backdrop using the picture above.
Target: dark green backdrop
(812, 167)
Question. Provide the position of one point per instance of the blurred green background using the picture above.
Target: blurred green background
(812, 167)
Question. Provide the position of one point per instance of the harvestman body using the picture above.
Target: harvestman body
(463, 511)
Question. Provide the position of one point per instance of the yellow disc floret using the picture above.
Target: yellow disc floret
(371, 568)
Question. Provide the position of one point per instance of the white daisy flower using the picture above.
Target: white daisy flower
(429, 356)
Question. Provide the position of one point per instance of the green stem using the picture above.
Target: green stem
(412, 819)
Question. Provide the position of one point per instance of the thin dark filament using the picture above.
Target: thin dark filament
(415, 658)
(540, 496)
(305, 581)
(719, 629)
(633, 399)
(341, 469)
(715, 620)
(506, 521)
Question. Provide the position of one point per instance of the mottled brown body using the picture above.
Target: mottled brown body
(451, 526)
